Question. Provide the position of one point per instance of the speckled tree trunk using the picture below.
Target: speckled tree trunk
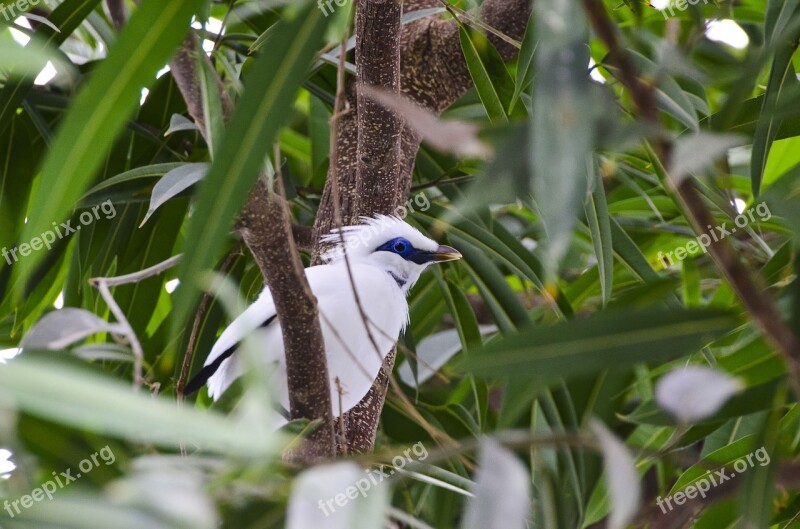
(375, 153)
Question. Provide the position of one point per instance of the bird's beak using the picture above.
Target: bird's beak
(446, 253)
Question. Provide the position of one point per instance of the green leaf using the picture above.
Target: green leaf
(608, 339)
(525, 61)
(173, 183)
(100, 112)
(758, 487)
(482, 76)
(147, 172)
(270, 88)
(507, 309)
(500, 245)
(212, 104)
(562, 124)
(782, 75)
(721, 458)
(600, 225)
(81, 399)
(465, 321)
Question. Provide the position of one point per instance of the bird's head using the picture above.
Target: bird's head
(390, 243)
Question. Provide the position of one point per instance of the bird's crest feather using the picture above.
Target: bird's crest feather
(362, 239)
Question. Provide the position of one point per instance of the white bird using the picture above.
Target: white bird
(386, 257)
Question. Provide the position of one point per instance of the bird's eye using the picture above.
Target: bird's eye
(399, 247)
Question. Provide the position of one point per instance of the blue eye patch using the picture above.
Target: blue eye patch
(398, 245)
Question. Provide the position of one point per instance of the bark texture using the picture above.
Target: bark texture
(433, 74)
(266, 228)
(378, 128)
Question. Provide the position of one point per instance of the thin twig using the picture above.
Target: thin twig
(135, 277)
(460, 13)
(342, 434)
(103, 283)
(138, 352)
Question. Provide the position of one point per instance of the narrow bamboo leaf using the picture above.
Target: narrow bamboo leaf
(83, 400)
(502, 246)
(100, 111)
(466, 323)
(562, 124)
(173, 183)
(178, 122)
(609, 339)
(148, 172)
(778, 15)
(212, 104)
(600, 225)
(482, 77)
(758, 487)
(629, 253)
(506, 307)
(61, 328)
(525, 61)
(721, 458)
(270, 88)
(669, 94)
(781, 77)
(692, 293)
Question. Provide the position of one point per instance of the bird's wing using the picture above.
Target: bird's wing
(219, 370)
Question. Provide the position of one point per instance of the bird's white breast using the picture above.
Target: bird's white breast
(354, 353)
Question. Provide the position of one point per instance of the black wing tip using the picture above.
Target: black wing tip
(198, 381)
(202, 377)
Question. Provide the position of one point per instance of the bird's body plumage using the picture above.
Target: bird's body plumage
(352, 358)
(385, 257)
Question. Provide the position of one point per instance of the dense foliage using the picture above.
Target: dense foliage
(627, 211)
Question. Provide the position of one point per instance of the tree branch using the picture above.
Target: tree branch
(266, 228)
(378, 128)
